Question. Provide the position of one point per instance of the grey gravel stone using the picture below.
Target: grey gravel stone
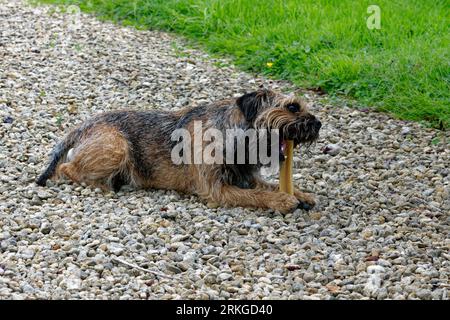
(114, 248)
(332, 149)
(28, 253)
(424, 294)
(224, 276)
(45, 228)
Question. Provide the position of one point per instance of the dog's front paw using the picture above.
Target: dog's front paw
(307, 201)
(283, 202)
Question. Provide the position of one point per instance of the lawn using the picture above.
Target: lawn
(402, 68)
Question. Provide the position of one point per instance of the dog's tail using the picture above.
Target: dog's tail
(58, 153)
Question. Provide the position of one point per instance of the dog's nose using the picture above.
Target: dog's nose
(318, 124)
(315, 123)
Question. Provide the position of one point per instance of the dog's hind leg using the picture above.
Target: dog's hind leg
(99, 159)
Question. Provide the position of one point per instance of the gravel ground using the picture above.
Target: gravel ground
(380, 229)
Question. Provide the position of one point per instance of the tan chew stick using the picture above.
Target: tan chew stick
(286, 182)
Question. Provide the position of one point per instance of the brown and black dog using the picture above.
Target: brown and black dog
(134, 147)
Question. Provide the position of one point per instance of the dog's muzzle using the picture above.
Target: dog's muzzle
(305, 130)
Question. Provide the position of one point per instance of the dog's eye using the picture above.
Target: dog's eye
(293, 107)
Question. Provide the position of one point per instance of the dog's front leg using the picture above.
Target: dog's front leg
(306, 200)
(258, 198)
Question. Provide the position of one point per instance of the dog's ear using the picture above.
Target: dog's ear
(250, 104)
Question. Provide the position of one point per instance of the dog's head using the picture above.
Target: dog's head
(266, 109)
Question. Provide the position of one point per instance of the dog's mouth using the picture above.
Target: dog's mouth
(283, 148)
(301, 132)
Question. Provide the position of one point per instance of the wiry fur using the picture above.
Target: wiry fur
(133, 147)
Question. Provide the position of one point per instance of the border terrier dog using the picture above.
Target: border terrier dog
(134, 147)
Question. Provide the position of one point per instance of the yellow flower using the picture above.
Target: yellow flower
(269, 64)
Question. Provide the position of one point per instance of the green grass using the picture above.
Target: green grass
(402, 68)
